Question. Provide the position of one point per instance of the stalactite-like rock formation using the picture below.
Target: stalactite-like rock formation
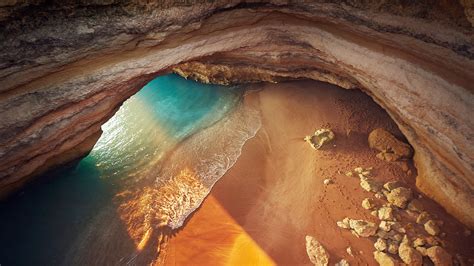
(65, 68)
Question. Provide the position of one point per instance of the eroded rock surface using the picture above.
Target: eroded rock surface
(65, 69)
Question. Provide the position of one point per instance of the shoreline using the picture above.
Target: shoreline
(261, 210)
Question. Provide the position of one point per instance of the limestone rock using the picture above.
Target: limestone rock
(344, 223)
(368, 204)
(393, 247)
(320, 137)
(383, 259)
(423, 218)
(328, 181)
(419, 242)
(385, 214)
(363, 228)
(408, 254)
(349, 251)
(380, 244)
(399, 196)
(423, 251)
(316, 252)
(343, 262)
(391, 149)
(439, 256)
(369, 184)
(386, 225)
(432, 228)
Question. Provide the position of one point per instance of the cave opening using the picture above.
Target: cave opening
(161, 154)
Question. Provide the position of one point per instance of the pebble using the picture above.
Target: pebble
(439, 256)
(432, 228)
(316, 252)
(328, 181)
(408, 254)
(415, 205)
(368, 204)
(386, 214)
(423, 218)
(369, 184)
(399, 196)
(380, 244)
(343, 262)
(384, 259)
(363, 228)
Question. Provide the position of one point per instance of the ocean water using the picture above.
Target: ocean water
(158, 158)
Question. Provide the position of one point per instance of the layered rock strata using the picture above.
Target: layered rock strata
(65, 70)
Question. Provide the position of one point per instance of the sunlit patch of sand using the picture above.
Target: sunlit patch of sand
(211, 243)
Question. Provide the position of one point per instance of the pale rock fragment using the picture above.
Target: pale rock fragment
(343, 262)
(363, 228)
(439, 256)
(419, 242)
(385, 214)
(319, 138)
(380, 244)
(368, 204)
(399, 196)
(432, 228)
(392, 247)
(369, 184)
(383, 259)
(316, 252)
(344, 223)
(328, 181)
(408, 254)
(423, 218)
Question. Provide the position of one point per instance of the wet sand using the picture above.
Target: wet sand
(260, 211)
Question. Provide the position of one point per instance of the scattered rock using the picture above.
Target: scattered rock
(384, 259)
(374, 213)
(422, 250)
(399, 196)
(380, 244)
(363, 228)
(328, 181)
(415, 205)
(396, 237)
(368, 204)
(349, 251)
(316, 252)
(369, 184)
(408, 254)
(391, 149)
(423, 218)
(439, 256)
(344, 223)
(419, 242)
(431, 228)
(320, 137)
(379, 195)
(386, 225)
(343, 262)
(392, 247)
(385, 214)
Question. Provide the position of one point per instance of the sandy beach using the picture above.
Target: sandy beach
(261, 210)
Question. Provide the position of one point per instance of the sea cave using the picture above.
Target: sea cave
(236, 132)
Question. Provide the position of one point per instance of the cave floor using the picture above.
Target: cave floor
(265, 205)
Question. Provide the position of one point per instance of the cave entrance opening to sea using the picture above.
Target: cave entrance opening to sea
(134, 198)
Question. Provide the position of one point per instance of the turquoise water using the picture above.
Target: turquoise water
(74, 215)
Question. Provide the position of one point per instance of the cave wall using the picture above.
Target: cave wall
(66, 68)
